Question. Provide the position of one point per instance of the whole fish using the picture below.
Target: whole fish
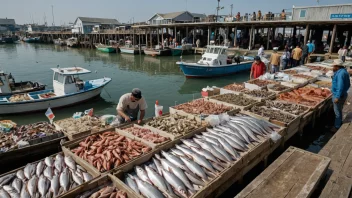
(249, 132)
(250, 125)
(65, 179)
(148, 190)
(12, 192)
(49, 161)
(4, 194)
(223, 152)
(241, 131)
(190, 143)
(233, 141)
(129, 180)
(175, 160)
(55, 185)
(225, 142)
(87, 177)
(217, 166)
(209, 139)
(167, 165)
(206, 154)
(77, 178)
(153, 166)
(48, 172)
(142, 174)
(6, 179)
(40, 168)
(20, 174)
(177, 152)
(228, 148)
(58, 163)
(207, 146)
(24, 192)
(70, 162)
(176, 183)
(29, 170)
(200, 159)
(157, 156)
(158, 166)
(43, 185)
(195, 179)
(32, 186)
(17, 185)
(157, 180)
(195, 168)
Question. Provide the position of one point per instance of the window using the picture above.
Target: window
(59, 78)
(68, 80)
(211, 50)
(302, 14)
(209, 59)
(216, 51)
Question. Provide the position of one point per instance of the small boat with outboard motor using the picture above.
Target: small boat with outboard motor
(9, 86)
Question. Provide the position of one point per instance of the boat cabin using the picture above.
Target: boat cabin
(66, 80)
(8, 85)
(214, 56)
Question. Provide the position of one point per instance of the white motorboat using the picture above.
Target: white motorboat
(68, 90)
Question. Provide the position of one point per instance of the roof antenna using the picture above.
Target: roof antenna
(52, 12)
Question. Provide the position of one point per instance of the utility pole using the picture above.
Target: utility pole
(52, 12)
(231, 9)
(217, 11)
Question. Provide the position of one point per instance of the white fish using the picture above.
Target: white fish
(129, 180)
(148, 190)
(49, 161)
(20, 175)
(24, 192)
(43, 185)
(195, 168)
(175, 160)
(142, 174)
(77, 178)
(156, 179)
(40, 168)
(55, 185)
(169, 166)
(70, 162)
(29, 170)
(48, 172)
(65, 180)
(158, 165)
(4, 194)
(59, 160)
(32, 186)
(87, 177)
(176, 183)
(17, 185)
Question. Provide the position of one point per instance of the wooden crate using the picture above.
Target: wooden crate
(296, 173)
(67, 147)
(211, 99)
(223, 177)
(131, 136)
(225, 91)
(105, 179)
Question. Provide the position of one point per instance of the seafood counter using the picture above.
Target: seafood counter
(272, 114)
(186, 168)
(238, 100)
(26, 135)
(146, 134)
(202, 106)
(309, 96)
(50, 177)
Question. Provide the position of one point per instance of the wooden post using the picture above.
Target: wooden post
(151, 38)
(209, 29)
(306, 35)
(194, 34)
(332, 38)
(157, 33)
(235, 38)
(139, 41)
(268, 38)
(146, 38)
(175, 35)
(187, 33)
(162, 36)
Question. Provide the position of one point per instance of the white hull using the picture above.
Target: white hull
(38, 105)
(129, 51)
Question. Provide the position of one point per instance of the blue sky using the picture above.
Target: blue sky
(23, 11)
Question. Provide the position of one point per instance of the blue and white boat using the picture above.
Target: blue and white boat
(68, 90)
(214, 63)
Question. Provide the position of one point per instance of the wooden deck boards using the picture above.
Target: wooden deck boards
(339, 175)
(295, 173)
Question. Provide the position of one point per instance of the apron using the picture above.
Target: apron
(132, 113)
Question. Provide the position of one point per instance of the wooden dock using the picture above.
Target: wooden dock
(296, 173)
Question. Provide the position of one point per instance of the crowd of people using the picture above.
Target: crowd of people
(260, 17)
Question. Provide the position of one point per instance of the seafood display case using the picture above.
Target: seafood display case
(100, 157)
(223, 175)
(46, 177)
(236, 101)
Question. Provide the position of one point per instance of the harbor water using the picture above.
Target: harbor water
(158, 78)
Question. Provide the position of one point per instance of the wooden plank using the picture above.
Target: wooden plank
(295, 173)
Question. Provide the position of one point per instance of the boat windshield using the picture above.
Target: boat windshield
(211, 50)
(208, 50)
(223, 51)
(216, 50)
(59, 78)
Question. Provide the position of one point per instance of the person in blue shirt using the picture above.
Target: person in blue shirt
(310, 48)
(340, 85)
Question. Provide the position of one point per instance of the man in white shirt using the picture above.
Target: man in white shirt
(129, 106)
(342, 53)
(261, 51)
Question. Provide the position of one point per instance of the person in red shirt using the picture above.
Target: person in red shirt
(258, 68)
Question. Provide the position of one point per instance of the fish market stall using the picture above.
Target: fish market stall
(79, 127)
(233, 88)
(256, 84)
(140, 133)
(196, 165)
(104, 151)
(236, 101)
(23, 143)
(49, 177)
(104, 186)
(278, 88)
(200, 107)
(260, 95)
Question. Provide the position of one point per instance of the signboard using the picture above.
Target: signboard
(341, 16)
